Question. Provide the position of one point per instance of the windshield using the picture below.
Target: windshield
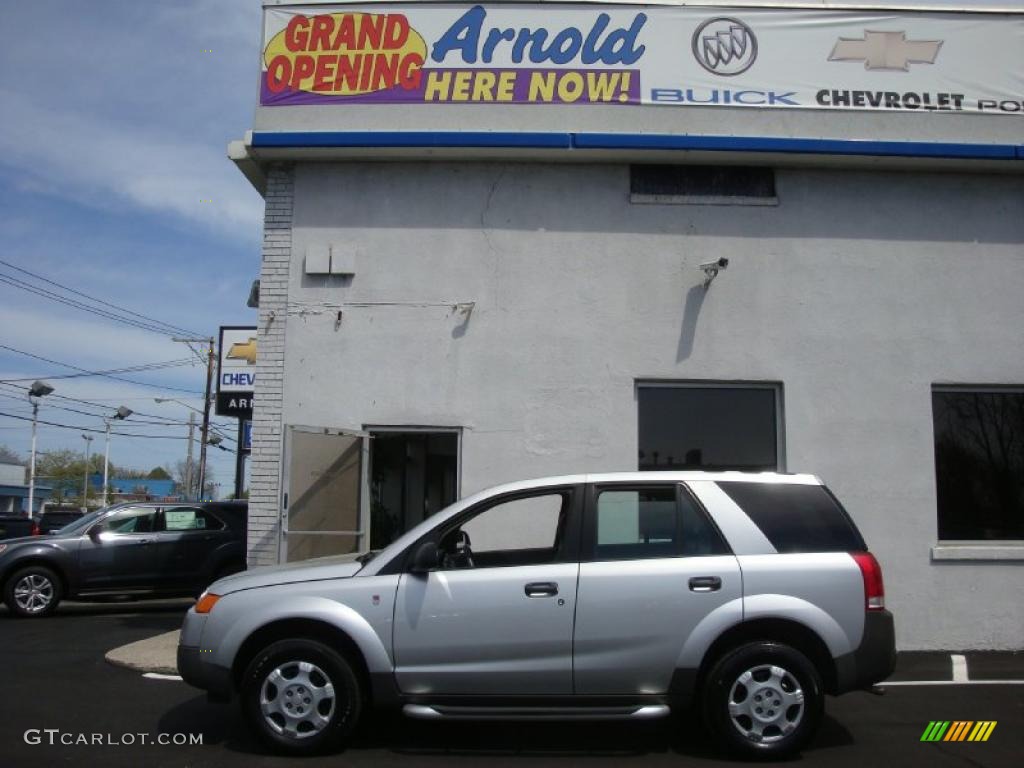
(81, 524)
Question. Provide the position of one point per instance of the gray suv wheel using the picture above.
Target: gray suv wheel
(32, 592)
(763, 699)
(301, 696)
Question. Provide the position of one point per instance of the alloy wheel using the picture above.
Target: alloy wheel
(766, 703)
(297, 699)
(33, 593)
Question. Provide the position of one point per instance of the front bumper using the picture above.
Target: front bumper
(198, 672)
(875, 658)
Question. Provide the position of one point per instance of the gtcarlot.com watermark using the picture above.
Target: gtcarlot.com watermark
(55, 737)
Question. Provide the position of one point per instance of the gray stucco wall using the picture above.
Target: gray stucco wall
(858, 292)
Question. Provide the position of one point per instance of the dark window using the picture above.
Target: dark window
(702, 181)
(524, 530)
(697, 427)
(130, 520)
(412, 476)
(797, 518)
(979, 463)
(636, 523)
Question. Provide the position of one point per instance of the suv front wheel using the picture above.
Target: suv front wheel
(32, 592)
(763, 699)
(301, 697)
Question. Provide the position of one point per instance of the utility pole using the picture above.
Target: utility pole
(204, 431)
(85, 486)
(188, 459)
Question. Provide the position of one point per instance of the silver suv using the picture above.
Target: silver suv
(747, 596)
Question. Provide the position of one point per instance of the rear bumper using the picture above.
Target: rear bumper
(875, 658)
(199, 673)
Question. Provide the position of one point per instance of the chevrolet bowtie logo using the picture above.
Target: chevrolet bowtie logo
(886, 50)
(246, 351)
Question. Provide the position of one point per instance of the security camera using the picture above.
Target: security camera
(711, 269)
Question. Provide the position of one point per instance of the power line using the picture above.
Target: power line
(170, 329)
(107, 372)
(90, 429)
(105, 409)
(97, 373)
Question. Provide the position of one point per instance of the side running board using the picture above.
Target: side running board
(445, 712)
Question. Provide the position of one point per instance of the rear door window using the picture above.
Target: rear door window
(797, 518)
(190, 519)
(651, 522)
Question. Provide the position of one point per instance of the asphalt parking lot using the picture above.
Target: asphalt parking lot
(55, 677)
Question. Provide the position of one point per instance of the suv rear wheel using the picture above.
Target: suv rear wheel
(32, 592)
(301, 697)
(763, 699)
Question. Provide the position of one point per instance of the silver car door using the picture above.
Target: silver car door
(497, 617)
(654, 569)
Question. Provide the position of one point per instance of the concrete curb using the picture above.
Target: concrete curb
(153, 654)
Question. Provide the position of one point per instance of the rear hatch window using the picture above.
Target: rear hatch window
(797, 518)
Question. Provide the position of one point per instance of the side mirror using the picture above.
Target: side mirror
(94, 533)
(426, 558)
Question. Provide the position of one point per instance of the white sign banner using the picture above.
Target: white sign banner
(237, 371)
(904, 61)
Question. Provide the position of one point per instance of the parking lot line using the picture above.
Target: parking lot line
(959, 667)
(951, 682)
(160, 676)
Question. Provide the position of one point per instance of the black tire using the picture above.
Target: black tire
(33, 592)
(776, 725)
(298, 694)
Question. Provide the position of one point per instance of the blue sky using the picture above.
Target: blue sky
(113, 132)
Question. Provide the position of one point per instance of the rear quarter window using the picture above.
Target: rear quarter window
(797, 518)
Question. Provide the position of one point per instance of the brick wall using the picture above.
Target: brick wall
(265, 467)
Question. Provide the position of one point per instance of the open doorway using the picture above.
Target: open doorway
(414, 472)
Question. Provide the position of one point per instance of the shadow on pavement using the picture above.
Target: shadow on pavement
(677, 736)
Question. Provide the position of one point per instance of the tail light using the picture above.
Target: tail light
(874, 589)
(35, 530)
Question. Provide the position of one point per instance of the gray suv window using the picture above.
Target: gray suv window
(797, 518)
(651, 522)
(130, 520)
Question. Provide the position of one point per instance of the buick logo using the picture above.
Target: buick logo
(724, 46)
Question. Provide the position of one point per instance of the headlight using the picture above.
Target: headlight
(206, 602)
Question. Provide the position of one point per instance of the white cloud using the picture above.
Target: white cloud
(88, 160)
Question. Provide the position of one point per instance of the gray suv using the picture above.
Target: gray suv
(746, 596)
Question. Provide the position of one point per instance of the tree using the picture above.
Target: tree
(7, 456)
(158, 473)
(64, 470)
(180, 475)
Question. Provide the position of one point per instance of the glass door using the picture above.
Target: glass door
(324, 504)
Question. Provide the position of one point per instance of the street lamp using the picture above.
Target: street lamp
(122, 413)
(37, 390)
(85, 487)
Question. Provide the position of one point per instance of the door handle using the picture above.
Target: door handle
(142, 541)
(705, 584)
(541, 589)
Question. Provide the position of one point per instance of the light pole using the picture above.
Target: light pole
(122, 413)
(85, 487)
(37, 390)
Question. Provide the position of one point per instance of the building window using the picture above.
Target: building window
(979, 462)
(710, 426)
(702, 185)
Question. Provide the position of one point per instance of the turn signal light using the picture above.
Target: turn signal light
(206, 602)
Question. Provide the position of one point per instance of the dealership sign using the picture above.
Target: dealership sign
(236, 372)
(626, 54)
